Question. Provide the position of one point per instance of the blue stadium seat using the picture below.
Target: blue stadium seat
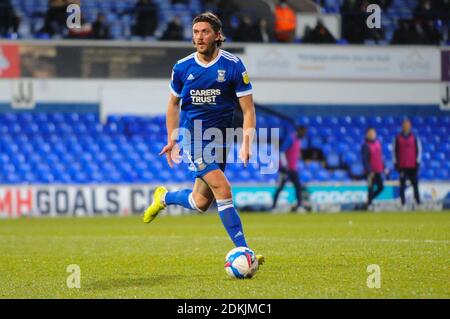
(77, 148)
(322, 176)
(350, 158)
(356, 170)
(333, 160)
(340, 176)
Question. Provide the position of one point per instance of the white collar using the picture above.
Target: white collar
(207, 65)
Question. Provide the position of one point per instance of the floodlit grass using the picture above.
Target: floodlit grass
(307, 256)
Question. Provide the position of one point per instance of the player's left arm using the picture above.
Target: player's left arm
(243, 89)
(249, 126)
(418, 152)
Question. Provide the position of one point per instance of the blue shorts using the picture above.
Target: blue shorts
(201, 162)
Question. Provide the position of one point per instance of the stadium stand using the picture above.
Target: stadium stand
(44, 148)
(120, 17)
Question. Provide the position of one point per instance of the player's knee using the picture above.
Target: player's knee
(200, 202)
(223, 191)
(203, 205)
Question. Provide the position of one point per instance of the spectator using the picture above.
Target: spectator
(55, 18)
(291, 153)
(384, 4)
(9, 20)
(372, 156)
(285, 22)
(429, 14)
(425, 32)
(434, 37)
(174, 30)
(320, 34)
(354, 21)
(424, 10)
(442, 9)
(146, 18)
(264, 34)
(247, 31)
(404, 34)
(354, 17)
(417, 31)
(226, 11)
(84, 32)
(100, 29)
(407, 155)
(209, 5)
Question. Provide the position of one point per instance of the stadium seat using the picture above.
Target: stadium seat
(78, 148)
(333, 160)
(357, 170)
(340, 175)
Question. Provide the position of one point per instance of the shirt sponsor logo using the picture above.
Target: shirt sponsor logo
(200, 97)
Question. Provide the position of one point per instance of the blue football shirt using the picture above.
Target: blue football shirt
(209, 92)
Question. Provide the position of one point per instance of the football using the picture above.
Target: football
(241, 263)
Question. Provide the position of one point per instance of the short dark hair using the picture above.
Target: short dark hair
(214, 21)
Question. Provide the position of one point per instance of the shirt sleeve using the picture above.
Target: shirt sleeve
(176, 84)
(242, 81)
(419, 150)
(394, 151)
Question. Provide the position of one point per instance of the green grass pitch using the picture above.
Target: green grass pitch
(307, 256)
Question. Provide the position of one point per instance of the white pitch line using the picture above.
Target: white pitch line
(274, 238)
(381, 240)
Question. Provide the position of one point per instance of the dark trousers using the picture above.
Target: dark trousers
(292, 176)
(411, 174)
(375, 181)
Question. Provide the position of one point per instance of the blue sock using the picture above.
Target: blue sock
(182, 198)
(232, 222)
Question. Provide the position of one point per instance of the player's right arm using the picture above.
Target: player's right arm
(172, 125)
(173, 117)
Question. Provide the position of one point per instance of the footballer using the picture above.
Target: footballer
(206, 87)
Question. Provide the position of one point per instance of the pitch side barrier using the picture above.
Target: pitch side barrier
(123, 200)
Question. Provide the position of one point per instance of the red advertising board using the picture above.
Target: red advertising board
(9, 61)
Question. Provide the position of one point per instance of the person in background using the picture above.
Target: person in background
(384, 4)
(320, 34)
(285, 22)
(407, 155)
(372, 157)
(55, 18)
(84, 32)
(227, 11)
(246, 31)
(146, 17)
(290, 150)
(404, 34)
(264, 34)
(100, 29)
(174, 30)
(9, 20)
(354, 21)
(424, 10)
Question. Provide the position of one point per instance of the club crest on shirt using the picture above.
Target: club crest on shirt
(221, 75)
